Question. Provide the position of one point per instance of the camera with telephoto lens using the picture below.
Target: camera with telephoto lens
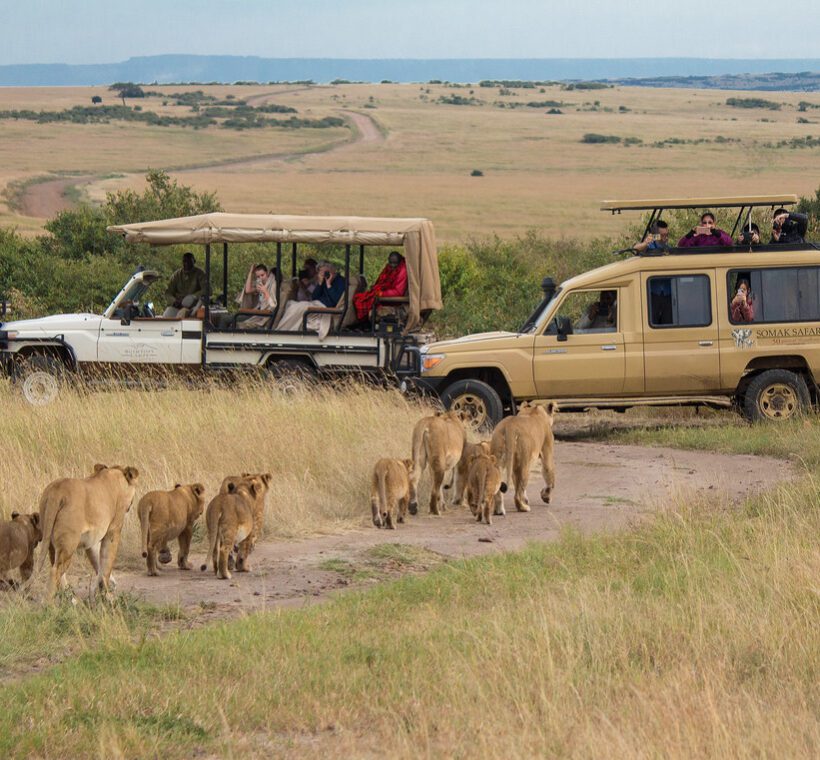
(747, 238)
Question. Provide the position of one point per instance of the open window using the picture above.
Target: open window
(586, 311)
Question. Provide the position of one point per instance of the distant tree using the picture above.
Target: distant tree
(127, 90)
(476, 173)
(96, 99)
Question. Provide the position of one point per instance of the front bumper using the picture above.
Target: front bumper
(423, 386)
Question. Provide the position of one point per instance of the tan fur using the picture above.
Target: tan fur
(88, 513)
(518, 441)
(168, 515)
(390, 491)
(18, 537)
(438, 441)
(230, 520)
(470, 452)
(239, 556)
(484, 487)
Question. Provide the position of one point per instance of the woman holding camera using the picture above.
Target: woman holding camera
(742, 306)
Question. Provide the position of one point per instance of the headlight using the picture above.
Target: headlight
(429, 361)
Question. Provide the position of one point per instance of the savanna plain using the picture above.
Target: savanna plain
(691, 631)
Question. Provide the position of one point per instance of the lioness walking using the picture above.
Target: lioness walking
(438, 441)
(518, 441)
(88, 513)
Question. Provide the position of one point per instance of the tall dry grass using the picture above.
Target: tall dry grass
(697, 635)
(319, 442)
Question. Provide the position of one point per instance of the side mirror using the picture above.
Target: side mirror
(563, 326)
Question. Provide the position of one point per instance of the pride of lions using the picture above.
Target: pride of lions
(480, 471)
(89, 512)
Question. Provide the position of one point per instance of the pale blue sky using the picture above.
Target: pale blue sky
(107, 31)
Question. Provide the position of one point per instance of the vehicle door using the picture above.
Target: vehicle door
(581, 351)
(140, 341)
(681, 347)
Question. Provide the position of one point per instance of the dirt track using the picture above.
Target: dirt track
(599, 488)
(43, 200)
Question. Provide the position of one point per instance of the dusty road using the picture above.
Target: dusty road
(599, 487)
(44, 200)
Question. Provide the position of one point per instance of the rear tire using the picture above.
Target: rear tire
(776, 394)
(291, 371)
(478, 403)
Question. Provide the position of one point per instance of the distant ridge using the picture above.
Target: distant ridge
(666, 72)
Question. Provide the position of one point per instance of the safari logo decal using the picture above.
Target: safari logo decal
(743, 337)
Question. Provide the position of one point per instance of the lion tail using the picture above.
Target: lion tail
(381, 478)
(212, 521)
(49, 509)
(508, 455)
(144, 512)
(420, 446)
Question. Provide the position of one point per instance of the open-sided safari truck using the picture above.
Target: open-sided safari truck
(129, 335)
(656, 328)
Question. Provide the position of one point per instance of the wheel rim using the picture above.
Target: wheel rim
(778, 401)
(40, 388)
(471, 409)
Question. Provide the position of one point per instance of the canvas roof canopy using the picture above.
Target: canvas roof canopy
(739, 201)
(416, 236)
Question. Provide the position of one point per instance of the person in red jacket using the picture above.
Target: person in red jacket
(705, 234)
(392, 282)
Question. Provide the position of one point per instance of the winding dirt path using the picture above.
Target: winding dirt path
(44, 200)
(600, 487)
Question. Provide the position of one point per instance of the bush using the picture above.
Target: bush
(753, 103)
(476, 173)
(593, 137)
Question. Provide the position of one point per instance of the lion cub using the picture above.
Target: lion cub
(242, 552)
(390, 491)
(230, 520)
(18, 537)
(484, 487)
(168, 515)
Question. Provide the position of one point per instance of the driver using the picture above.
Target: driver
(185, 289)
(601, 314)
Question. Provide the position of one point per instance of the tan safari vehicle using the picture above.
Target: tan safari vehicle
(664, 327)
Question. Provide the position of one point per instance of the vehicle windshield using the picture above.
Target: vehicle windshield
(532, 321)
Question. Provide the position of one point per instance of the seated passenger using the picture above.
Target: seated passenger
(326, 296)
(258, 293)
(788, 227)
(742, 306)
(185, 288)
(705, 234)
(601, 314)
(308, 281)
(749, 235)
(391, 283)
(657, 240)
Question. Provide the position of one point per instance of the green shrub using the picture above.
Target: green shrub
(594, 137)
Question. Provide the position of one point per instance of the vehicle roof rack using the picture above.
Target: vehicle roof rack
(741, 201)
(745, 204)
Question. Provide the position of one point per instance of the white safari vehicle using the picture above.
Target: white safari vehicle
(129, 337)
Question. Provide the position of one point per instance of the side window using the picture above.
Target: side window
(783, 294)
(679, 301)
(588, 311)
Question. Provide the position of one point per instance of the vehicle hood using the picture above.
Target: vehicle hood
(484, 341)
(54, 324)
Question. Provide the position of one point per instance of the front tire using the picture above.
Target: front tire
(40, 378)
(776, 395)
(478, 403)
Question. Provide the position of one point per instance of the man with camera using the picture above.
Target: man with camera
(788, 227)
(656, 240)
(705, 234)
(327, 295)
